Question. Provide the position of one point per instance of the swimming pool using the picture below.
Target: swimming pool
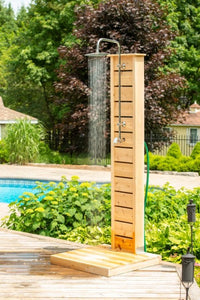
(11, 189)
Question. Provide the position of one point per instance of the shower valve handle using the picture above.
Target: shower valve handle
(122, 124)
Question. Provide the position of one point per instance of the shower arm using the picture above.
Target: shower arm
(118, 140)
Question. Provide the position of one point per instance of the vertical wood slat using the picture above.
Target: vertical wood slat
(126, 157)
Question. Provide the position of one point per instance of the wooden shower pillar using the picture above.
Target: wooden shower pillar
(127, 157)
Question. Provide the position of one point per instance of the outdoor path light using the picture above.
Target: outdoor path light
(191, 209)
(188, 271)
(188, 259)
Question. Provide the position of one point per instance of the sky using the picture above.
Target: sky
(16, 4)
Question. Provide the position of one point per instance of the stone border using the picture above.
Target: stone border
(108, 168)
(193, 174)
(75, 167)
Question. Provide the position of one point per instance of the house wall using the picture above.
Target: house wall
(184, 132)
(2, 131)
(183, 139)
(180, 130)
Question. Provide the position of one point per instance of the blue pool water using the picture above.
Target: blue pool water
(11, 189)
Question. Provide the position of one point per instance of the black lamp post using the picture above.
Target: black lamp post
(189, 259)
(191, 210)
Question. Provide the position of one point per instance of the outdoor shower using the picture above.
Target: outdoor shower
(127, 140)
(127, 163)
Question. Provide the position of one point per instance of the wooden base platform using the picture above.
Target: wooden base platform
(104, 262)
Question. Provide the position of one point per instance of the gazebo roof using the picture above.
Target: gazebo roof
(8, 115)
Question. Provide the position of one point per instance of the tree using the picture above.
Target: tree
(7, 31)
(33, 56)
(139, 26)
(184, 17)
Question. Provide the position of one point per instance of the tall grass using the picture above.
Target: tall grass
(23, 139)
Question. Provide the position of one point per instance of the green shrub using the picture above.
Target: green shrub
(3, 152)
(56, 209)
(46, 155)
(167, 230)
(195, 151)
(171, 239)
(91, 235)
(23, 139)
(195, 165)
(168, 163)
(155, 161)
(174, 151)
(185, 164)
(44, 149)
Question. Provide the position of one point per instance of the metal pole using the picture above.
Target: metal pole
(191, 227)
(187, 293)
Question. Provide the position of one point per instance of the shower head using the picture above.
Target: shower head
(103, 54)
(96, 54)
(108, 41)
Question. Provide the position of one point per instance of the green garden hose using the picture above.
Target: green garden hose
(146, 191)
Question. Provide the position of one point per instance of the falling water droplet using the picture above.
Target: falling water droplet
(97, 102)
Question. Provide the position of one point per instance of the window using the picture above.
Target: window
(193, 136)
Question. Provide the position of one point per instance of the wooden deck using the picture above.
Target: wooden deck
(26, 273)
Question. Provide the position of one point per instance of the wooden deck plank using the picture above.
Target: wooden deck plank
(29, 275)
(102, 261)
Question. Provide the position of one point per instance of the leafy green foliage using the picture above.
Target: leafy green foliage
(167, 229)
(197, 272)
(139, 27)
(22, 140)
(174, 151)
(3, 152)
(7, 31)
(175, 161)
(195, 151)
(184, 18)
(57, 209)
(33, 57)
(91, 235)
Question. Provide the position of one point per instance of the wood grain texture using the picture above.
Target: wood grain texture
(103, 262)
(127, 155)
(26, 275)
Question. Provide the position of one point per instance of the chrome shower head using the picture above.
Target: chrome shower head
(96, 54)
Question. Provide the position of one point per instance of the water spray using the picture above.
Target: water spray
(120, 124)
